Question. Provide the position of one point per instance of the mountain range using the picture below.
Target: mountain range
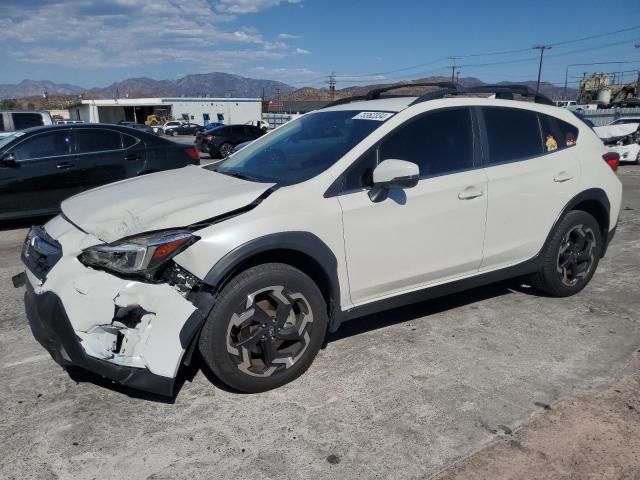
(219, 84)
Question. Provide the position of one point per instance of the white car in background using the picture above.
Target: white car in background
(15, 120)
(162, 129)
(359, 207)
(623, 137)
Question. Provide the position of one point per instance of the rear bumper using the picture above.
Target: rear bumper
(51, 327)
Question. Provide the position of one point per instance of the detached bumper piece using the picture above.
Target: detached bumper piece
(51, 327)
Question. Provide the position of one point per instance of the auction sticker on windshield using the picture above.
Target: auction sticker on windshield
(378, 116)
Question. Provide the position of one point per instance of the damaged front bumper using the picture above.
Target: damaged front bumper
(132, 332)
(52, 328)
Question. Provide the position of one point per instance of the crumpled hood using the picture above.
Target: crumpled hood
(615, 131)
(173, 198)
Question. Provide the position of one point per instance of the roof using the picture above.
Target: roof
(394, 104)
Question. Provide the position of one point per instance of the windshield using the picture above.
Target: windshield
(303, 148)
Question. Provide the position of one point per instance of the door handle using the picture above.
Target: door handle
(132, 157)
(562, 177)
(64, 166)
(469, 193)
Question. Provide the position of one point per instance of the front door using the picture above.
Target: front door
(42, 176)
(423, 235)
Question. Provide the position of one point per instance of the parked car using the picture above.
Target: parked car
(14, 121)
(41, 166)
(345, 211)
(184, 129)
(160, 129)
(623, 137)
(220, 141)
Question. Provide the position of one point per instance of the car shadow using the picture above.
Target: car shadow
(416, 311)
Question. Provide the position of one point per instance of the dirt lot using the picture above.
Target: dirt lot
(493, 383)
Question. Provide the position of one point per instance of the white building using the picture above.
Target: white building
(196, 110)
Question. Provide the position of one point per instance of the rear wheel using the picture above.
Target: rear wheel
(571, 257)
(265, 328)
(225, 150)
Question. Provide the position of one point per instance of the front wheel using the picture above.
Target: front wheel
(265, 329)
(571, 256)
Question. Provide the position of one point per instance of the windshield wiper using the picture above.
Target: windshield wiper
(239, 175)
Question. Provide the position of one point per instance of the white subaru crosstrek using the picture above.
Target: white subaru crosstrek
(359, 207)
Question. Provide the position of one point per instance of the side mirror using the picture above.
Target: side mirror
(393, 174)
(8, 160)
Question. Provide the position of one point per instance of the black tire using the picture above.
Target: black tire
(225, 149)
(571, 256)
(265, 329)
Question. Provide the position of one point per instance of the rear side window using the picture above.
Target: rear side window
(97, 140)
(557, 134)
(513, 134)
(237, 130)
(26, 120)
(439, 142)
(50, 144)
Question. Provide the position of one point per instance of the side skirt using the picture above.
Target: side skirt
(524, 268)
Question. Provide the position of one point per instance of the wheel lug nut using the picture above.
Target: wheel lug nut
(264, 325)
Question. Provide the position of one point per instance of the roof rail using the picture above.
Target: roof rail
(501, 91)
(504, 91)
(375, 93)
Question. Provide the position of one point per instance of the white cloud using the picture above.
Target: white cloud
(301, 51)
(249, 6)
(288, 36)
(123, 33)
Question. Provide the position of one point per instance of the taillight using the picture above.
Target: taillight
(612, 159)
(208, 138)
(193, 153)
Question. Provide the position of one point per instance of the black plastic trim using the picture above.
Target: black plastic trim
(429, 293)
(302, 242)
(52, 329)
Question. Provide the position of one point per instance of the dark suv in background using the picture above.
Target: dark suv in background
(220, 141)
(41, 166)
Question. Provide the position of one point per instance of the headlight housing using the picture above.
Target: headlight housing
(140, 255)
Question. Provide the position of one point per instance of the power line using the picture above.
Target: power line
(505, 52)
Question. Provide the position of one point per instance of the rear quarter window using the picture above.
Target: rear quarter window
(557, 134)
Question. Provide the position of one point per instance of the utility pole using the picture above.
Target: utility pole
(542, 48)
(332, 85)
(458, 76)
(453, 68)
(277, 92)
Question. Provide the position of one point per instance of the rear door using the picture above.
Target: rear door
(102, 157)
(42, 177)
(533, 172)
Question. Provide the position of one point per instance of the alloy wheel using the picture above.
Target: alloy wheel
(270, 331)
(576, 254)
(225, 150)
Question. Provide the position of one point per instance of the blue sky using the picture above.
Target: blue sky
(96, 42)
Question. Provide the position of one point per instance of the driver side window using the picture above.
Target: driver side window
(440, 142)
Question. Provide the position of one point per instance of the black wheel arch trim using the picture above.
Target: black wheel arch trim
(303, 243)
(592, 194)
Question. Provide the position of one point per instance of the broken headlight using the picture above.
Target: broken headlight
(141, 255)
